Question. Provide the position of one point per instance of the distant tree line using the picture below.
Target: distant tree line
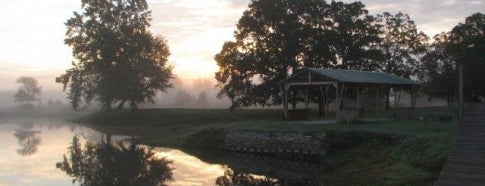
(277, 38)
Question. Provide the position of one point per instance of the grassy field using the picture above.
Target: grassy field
(371, 153)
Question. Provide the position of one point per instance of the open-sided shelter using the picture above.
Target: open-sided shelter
(343, 80)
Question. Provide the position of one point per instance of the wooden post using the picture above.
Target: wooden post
(326, 101)
(337, 106)
(286, 101)
(306, 98)
(377, 104)
(322, 103)
(399, 97)
(460, 90)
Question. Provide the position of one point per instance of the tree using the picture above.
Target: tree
(28, 91)
(28, 139)
(183, 98)
(466, 48)
(275, 38)
(401, 45)
(114, 164)
(202, 100)
(118, 60)
(439, 71)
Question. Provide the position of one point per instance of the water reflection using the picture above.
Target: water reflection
(28, 139)
(231, 178)
(248, 169)
(117, 163)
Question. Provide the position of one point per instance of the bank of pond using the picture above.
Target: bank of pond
(244, 147)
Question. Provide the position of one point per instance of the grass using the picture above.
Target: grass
(371, 153)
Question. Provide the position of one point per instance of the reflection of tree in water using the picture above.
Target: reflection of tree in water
(231, 178)
(118, 164)
(28, 139)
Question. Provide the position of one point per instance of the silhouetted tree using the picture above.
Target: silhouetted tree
(439, 71)
(202, 100)
(467, 48)
(275, 38)
(28, 139)
(183, 98)
(401, 44)
(117, 58)
(114, 164)
(28, 91)
(231, 178)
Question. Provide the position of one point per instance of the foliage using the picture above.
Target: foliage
(401, 44)
(275, 38)
(202, 100)
(463, 45)
(118, 164)
(466, 48)
(183, 98)
(28, 91)
(117, 58)
(439, 71)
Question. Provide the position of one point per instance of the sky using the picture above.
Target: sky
(32, 32)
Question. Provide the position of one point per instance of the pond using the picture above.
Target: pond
(54, 152)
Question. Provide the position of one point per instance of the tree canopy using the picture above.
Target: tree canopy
(401, 44)
(276, 38)
(467, 48)
(28, 90)
(118, 60)
(464, 45)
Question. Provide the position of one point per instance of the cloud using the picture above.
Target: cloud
(431, 16)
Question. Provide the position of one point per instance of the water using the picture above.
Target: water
(53, 152)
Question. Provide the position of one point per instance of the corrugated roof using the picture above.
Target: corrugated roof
(352, 76)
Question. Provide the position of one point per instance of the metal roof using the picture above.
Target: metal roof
(352, 76)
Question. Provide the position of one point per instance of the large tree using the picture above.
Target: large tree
(401, 44)
(463, 45)
(275, 38)
(439, 72)
(118, 60)
(28, 92)
(467, 48)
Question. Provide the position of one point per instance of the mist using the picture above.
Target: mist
(52, 94)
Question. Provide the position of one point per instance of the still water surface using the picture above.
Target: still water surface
(49, 152)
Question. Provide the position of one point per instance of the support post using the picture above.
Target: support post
(306, 98)
(460, 90)
(286, 101)
(337, 105)
(377, 104)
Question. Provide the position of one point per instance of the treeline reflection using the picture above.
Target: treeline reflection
(117, 163)
(29, 139)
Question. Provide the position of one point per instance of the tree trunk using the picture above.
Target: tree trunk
(133, 105)
(293, 100)
(121, 105)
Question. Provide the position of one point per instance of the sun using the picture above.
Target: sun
(194, 68)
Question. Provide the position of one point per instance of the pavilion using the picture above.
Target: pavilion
(343, 81)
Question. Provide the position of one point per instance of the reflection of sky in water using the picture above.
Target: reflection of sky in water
(39, 168)
(189, 170)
